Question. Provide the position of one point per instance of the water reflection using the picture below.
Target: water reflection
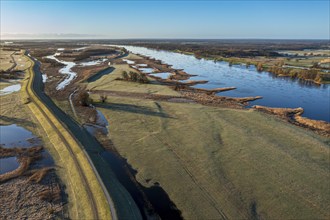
(13, 136)
(276, 91)
(8, 164)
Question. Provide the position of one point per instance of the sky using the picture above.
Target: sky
(217, 19)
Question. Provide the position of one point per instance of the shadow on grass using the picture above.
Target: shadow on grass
(133, 109)
(13, 120)
(99, 74)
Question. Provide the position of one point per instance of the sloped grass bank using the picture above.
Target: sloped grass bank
(79, 198)
(223, 163)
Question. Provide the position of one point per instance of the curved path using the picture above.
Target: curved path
(121, 203)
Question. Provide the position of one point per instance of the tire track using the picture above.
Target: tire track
(206, 194)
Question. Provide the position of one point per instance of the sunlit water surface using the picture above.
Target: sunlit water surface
(276, 91)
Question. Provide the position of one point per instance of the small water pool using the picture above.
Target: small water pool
(8, 164)
(93, 62)
(14, 136)
(129, 61)
(164, 75)
(146, 70)
(10, 89)
(101, 125)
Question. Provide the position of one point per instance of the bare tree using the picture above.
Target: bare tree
(103, 98)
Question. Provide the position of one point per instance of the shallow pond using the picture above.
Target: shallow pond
(276, 91)
(16, 136)
(92, 62)
(142, 65)
(146, 70)
(13, 136)
(8, 164)
(101, 125)
(10, 89)
(165, 75)
(129, 61)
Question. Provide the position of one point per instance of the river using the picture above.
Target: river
(276, 91)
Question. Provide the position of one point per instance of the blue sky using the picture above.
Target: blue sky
(167, 19)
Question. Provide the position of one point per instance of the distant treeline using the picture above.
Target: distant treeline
(94, 52)
(53, 63)
(228, 48)
(209, 50)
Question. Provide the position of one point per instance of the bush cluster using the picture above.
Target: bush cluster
(135, 77)
(311, 74)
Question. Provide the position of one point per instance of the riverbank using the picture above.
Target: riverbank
(193, 152)
(204, 156)
(276, 91)
(203, 152)
(271, 57)
(163, 88)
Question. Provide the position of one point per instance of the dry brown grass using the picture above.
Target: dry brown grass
(38, 174)
(315, 124)
(25, 157)
(293, 115)
(280, 111)
(50, 195)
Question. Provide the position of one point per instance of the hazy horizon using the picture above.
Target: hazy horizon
(165, 20)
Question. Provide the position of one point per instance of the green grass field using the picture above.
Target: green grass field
(108, 82)
(243, 164)
(216, 162)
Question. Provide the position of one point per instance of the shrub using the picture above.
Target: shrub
(125, 75)
(103, 98)
(83, 98)
(135, 77)
(260, 67)
(143, 78)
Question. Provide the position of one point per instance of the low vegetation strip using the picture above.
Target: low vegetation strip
(89, 199)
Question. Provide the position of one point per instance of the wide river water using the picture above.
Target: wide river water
(276, 91)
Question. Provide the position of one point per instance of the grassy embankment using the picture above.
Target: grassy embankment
(79, 201)
(242, 163)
